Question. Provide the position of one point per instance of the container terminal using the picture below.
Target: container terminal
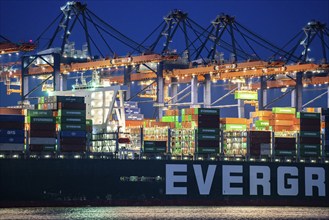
(86, 141)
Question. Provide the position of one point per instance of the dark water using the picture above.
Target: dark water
(166, 213)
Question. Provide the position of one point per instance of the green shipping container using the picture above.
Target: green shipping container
(310, 134)
(208, 150)
(261, 123)
(208, 131)
(71, 120)
(246, 95)
(154, 149)
(72, 113)
(208, 137)
(169, 118)
(40, 120)
(235, 127)
(283, 110)
(39, 113)
(310, 147)
(207, 111)
(308, 115)
(72, 127)
(285, 153)
(310, 153)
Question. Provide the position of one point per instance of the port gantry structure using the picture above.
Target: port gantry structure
(198, 61)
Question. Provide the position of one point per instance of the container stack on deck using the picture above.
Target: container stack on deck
(207, 130)
(71, 123)
(325, 115)
(310, 134)
(282, 122)
(11, 132)
(235, 136)
(41, 130)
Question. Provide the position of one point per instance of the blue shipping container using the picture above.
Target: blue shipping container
(11, 139)
(16, 133)
(12, 118)
(81, 134)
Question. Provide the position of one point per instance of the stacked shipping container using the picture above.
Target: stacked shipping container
(12, 133)
(235, 136)
(325, 115)
(310, 134)
(71, 123)
(41, 130)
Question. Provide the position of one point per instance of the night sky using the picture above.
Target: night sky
(276, 21)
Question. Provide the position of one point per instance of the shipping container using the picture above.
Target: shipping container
(40, 120)
(81, 134)
(12, 139)
(11, 147)
(16, 133)
(42, 140)
(11, 118)
(71, 106)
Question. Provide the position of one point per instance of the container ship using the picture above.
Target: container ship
(58, 152)
(93, 146)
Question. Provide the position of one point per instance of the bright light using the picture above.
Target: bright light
(263, 159)
(2, 156)
(158, 158)
(47, 156)
(302, 161)
(252, 159)
(327, 161)
(288, 160)
(9, 54)
(76, 156)
(238, 159)
(313, 161)
(61, 156)
(173, 158)
(15, 156)
(17, 53)
(185, 158)
(277, 160)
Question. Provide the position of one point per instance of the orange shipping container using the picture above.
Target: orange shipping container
(10, 111)
(134, 123)
(283, 128)
(261, 114)
(233, 121)
(281, 122)
(282, 116)
(296, 121)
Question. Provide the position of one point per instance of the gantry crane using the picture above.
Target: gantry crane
(6, 46)
(204, 56)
